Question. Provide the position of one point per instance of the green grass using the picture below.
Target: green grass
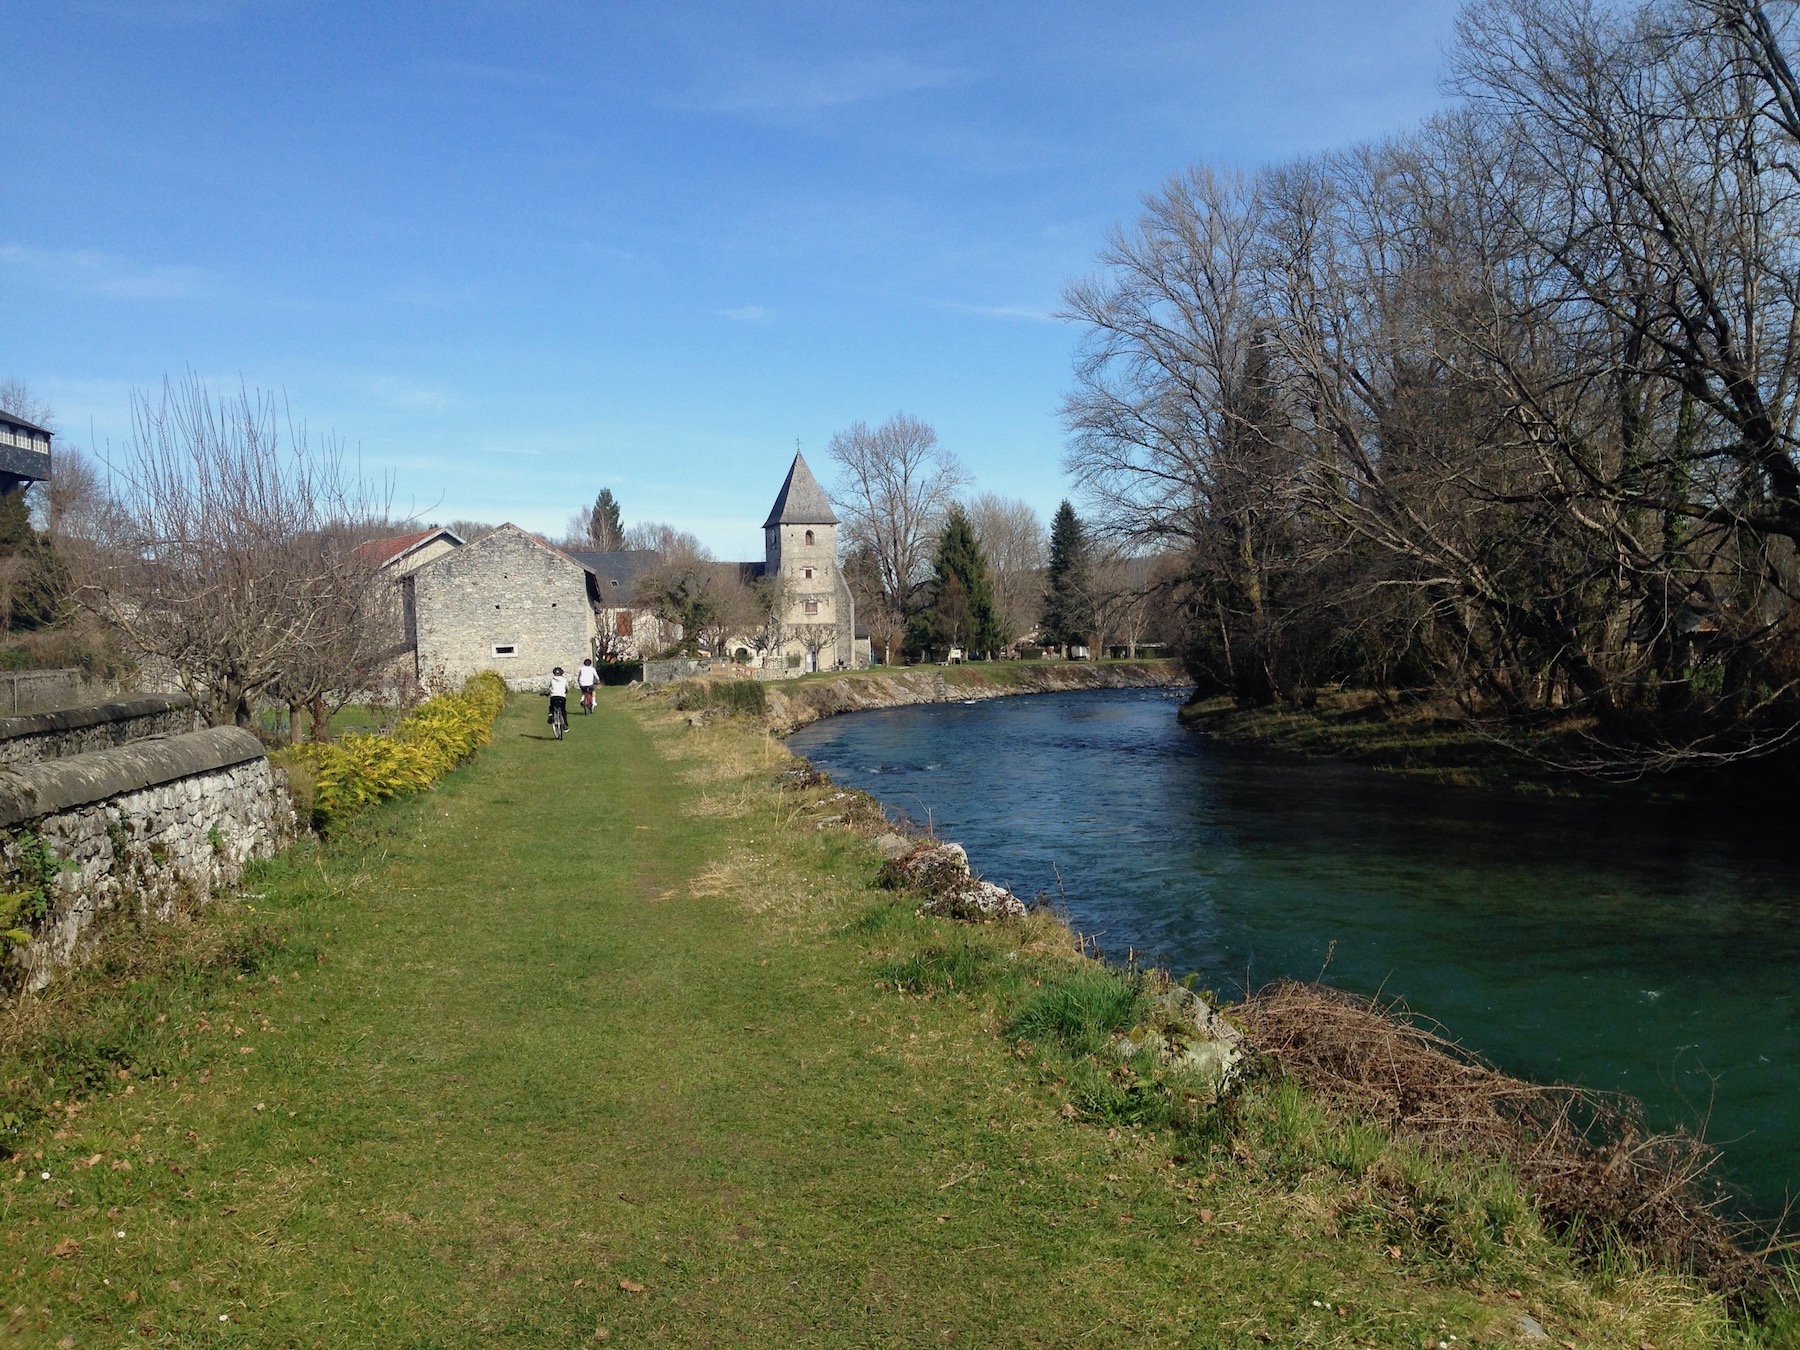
(607, 1035)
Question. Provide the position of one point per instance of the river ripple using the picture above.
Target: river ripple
(1649, 950)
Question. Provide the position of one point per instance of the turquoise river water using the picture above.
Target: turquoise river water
(1647, 949)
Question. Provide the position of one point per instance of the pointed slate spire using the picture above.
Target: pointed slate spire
(801, 500)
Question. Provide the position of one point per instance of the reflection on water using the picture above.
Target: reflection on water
(1614, 945)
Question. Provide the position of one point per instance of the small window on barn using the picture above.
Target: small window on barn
(809, 536)
(812, 606)
(505, 649)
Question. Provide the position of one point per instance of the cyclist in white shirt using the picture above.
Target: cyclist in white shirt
(586, 678)
(559, 693)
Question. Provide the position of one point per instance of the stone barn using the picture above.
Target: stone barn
(507, 602)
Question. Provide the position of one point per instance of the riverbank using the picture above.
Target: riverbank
(790, 705)
(662, 1064)
(1412, 739)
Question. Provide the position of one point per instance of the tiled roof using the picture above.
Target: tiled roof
(801, 500)
(383, 551)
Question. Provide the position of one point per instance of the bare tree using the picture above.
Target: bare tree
(17, 398)
(1017, 549)
(895, 485)
(664, 539)
(885, 624)
(358, 627)
(220, 569)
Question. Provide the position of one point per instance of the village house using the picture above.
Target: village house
(512, 603)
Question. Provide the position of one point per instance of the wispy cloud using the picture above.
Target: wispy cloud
(91, 272)
(408, 395)
(748, 314)
(996, 311)
(508, 450)
(786, 86)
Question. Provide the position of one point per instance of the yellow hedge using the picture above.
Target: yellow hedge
(360, 769)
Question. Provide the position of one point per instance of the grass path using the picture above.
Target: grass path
(584, 1046)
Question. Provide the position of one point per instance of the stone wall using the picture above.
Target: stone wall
(505, 590)
(24, 691)
(34, 737)
(143, 830)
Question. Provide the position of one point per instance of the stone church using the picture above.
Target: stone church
(512, 603)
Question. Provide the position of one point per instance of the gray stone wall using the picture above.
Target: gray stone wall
(504, 590)
(35, 737)
(23, 691)
(144, 849)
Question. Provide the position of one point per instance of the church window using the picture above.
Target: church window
(809, 536)
(812, 606)
(806, 572)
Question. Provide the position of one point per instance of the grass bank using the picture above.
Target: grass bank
(787, 705)
(1406, 737)
(614, 1041)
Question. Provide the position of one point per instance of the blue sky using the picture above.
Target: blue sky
(515, 251)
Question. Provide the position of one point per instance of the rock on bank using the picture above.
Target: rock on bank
(796, 704)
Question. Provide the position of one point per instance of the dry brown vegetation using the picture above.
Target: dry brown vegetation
(1588, 1160)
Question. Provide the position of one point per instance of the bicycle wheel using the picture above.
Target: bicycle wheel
(559, 723)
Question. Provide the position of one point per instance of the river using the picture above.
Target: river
(1646, 949)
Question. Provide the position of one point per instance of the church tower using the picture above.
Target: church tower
(800, 553)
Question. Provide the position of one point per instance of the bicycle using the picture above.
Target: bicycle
(587, 700)
(559, 722)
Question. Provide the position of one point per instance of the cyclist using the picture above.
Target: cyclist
(587, 677)
(559, 696)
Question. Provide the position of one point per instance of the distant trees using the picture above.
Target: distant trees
(656, 537)
(1012, 539)
(958, 608)
(711, 601)
(895, 485)
(875, 610)
(1068, 619)
(1503, 409)
(599, 528)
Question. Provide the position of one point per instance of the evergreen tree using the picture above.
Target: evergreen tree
(606, 528)
(959, 608)
(1068, 591)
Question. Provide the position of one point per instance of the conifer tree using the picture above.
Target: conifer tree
(1068, 593)
(606, 528)
(959, 609)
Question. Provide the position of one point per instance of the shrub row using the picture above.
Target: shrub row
(336, 779)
